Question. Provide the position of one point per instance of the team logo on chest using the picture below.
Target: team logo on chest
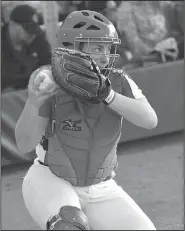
(71, 125)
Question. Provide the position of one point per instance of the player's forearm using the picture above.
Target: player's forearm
(137, 112)
(29, 128)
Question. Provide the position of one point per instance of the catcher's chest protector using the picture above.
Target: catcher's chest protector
(83, 138)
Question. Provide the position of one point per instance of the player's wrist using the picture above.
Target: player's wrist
(34, 102)
(108, 100)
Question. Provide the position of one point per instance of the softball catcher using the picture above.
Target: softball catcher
(75, 110)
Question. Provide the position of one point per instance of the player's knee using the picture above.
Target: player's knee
(69, 218)
(151, 226)
(147, 224)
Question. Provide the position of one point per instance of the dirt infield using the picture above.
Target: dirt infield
(150, 171)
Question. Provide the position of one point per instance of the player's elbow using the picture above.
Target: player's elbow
(24, 146)
(152, 124)
(152, 120)
(24, 142)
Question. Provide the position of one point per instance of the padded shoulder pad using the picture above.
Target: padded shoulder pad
(116, 73)
(116, 79)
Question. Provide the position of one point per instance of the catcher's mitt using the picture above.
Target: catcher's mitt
(78, 75)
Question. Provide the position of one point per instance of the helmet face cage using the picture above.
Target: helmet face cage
(89, 27)
(113, 56)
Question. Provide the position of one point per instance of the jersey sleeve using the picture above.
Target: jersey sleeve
(130, 88)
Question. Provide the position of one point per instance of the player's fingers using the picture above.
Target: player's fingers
(39, 93)
(38, 72)
(39, 78)
(33, 75)
(50, 87)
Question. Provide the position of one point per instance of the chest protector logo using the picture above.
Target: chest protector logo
(71, 125)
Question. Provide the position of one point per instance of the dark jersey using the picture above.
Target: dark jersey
(17, 66)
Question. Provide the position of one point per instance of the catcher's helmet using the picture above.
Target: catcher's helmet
(88, 26)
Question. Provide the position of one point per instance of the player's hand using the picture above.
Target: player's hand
(41, 85)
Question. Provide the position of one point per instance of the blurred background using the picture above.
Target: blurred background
(152, 44)
(151, 51)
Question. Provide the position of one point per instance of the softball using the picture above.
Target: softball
(47, 85)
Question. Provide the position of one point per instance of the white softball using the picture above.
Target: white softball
(47, 85)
